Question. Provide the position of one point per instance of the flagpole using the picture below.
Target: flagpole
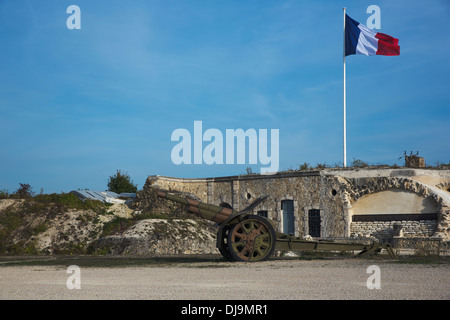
(345, 129)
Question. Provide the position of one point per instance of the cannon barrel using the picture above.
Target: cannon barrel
(204, 210)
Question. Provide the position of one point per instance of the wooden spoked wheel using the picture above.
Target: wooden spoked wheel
(252, 239)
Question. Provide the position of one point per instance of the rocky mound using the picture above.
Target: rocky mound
(63, 224)
(160, 236)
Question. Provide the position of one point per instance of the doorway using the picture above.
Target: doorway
(287, 207)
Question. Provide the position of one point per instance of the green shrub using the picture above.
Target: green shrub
(304, 166)
(121, 183)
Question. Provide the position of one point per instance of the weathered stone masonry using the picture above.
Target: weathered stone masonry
(334, 203)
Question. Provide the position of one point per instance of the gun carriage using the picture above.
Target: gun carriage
(243, 236)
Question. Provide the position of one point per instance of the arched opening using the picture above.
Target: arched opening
(394, 202)
(377, 213)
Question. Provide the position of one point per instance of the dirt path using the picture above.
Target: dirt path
(214, 279)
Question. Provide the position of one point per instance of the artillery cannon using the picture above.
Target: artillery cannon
(243, 236)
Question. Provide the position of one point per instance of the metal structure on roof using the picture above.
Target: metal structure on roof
(104, 196)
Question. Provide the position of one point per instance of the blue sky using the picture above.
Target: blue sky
(76, 105)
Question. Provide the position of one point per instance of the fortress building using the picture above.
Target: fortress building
(336, 202)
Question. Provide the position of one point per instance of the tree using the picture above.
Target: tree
(121, 183)
(25, 191)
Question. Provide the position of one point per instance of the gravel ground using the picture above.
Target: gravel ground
(288, 279)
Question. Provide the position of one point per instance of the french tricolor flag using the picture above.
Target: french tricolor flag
(361, 40)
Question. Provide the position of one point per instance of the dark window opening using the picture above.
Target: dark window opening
(262, 213)
(314, 222)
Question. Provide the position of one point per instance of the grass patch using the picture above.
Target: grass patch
(66, 201)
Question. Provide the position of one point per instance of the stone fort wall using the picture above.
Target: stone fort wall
(328, 202)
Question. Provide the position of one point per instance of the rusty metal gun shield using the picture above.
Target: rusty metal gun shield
(252, 239)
